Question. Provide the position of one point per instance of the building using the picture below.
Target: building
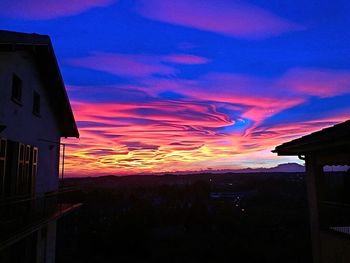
(329, 204)
(34, 114)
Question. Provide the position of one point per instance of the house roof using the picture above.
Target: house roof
(41, 48)
(337, 136)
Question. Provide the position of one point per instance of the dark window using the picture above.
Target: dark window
(16, 89)
(36, 103)
(3, 144)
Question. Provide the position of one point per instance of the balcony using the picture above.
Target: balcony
(22, 216)
(335, 217)
(334, 235)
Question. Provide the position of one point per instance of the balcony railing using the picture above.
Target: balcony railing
(21, 216)
(335, 217)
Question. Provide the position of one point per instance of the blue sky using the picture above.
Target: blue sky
(160, 85)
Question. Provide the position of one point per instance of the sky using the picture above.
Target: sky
(164, 85)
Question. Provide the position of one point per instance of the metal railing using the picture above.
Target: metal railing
(22, 214)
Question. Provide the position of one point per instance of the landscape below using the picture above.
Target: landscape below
(229, 217)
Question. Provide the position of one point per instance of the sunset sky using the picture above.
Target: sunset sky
(180, 85)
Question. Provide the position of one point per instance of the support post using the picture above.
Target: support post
(314, 178)
(63, 154)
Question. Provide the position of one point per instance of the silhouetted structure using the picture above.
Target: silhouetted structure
(329, 219)
(34, 114)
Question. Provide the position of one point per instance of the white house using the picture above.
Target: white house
(35, 114)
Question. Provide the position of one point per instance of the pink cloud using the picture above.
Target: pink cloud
(47, 9)
(168, 138)
(170, 133)
(317, 82)
(261, 97)
(124, 65)
(269, 137)
(185, 59)
(154, 134)
(171, 113)
(230, 18)
(173, 133)
(264, 96)
(130, 65)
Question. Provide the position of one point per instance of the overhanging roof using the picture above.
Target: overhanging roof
(41, 48)
(337, 136)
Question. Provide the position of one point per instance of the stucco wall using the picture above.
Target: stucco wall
(22, 125)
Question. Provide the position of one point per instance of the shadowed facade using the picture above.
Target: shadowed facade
(329, 206)
(34, 114)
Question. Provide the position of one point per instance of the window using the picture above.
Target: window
(34, 169)
(3, 144)
(18, 169)
(16, 89)
(36, 103)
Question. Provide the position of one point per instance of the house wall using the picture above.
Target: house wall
(22, 125)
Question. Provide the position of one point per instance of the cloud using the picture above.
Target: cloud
(145, 135)
(317, 82)
(185, 59)
(130, 65)
(260, 97)
(229, 18)
(123, 65)
(218, 119)
(109, 93)
(278, 133)
(132, 146)
(48, 9)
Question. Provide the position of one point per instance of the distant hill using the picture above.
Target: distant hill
(281, 168)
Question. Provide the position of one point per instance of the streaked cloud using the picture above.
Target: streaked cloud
(185, 59)
(317, 82)
(145, 135)
(218, 118)
(230, 18)
(140, 65)
(123, 65)
(48, 9)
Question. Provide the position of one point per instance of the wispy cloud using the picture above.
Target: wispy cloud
(219, 118)
(185, 59)
(145, 135)
(226, 17)
(48, 9)
(123, 64)
(131, 65)
(317, 82)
